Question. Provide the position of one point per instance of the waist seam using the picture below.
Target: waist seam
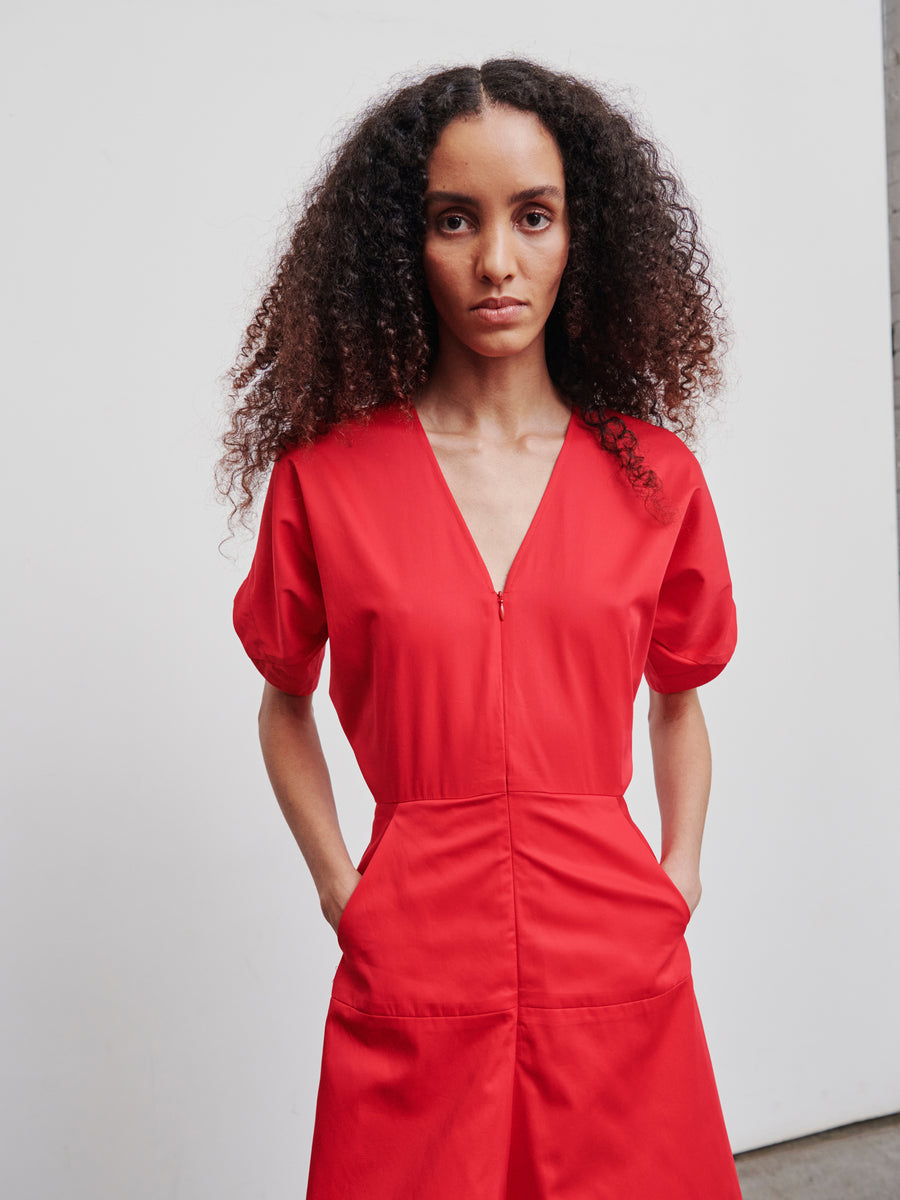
(502, 792)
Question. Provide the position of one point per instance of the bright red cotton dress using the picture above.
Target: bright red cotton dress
(512, 1017)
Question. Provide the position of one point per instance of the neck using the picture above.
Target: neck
(501, 397)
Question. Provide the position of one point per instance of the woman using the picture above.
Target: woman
(493, 301)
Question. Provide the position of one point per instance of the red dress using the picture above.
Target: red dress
(513, 1013)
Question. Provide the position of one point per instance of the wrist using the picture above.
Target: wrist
(685, 874)
(335, 892)
(681, 859)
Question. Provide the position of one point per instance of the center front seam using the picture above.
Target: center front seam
(514, 1063)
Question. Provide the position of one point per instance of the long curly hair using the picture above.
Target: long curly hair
(347, 324)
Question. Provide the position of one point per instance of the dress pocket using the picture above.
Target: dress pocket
(656, 866)
(380, 824)
(673, 888)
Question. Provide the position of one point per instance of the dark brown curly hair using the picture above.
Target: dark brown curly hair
(347, 324)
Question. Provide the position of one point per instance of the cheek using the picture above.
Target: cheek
(438, 275)
(562, 256)
(443, 277)
(553, 263)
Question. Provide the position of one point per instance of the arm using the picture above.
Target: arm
(299, 776)
(682, 771)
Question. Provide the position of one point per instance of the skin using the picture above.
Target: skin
(497, 227)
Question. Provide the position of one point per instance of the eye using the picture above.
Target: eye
(451, 222)
(536, 219)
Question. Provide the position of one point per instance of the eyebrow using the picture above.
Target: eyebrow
(544, 189)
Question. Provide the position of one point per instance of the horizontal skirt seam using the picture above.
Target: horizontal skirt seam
(618, 1004)
(490, 1012)
(526, 1008)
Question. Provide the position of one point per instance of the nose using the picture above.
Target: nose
(496, 260)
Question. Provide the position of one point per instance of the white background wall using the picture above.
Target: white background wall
(166, 968)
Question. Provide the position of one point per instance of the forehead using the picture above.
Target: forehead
(498, 146)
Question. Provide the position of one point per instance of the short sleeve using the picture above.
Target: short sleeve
(695, 627)
(279, 611)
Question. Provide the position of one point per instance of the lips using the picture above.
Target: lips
(500, 302)
(500, 310)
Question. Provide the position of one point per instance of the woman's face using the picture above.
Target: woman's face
(497, 235)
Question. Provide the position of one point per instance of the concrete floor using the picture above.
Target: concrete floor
(857, 1162)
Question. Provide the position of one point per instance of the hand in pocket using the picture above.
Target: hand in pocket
(687, 881)
(338, 898)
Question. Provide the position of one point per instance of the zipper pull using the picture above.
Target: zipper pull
(500, 603)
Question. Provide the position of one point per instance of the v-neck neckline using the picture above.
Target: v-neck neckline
(538, 512)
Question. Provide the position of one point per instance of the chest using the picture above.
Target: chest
(497, 491)
(414, 542)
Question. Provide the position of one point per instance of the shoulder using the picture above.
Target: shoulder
(673, 462)
(346, 447)
(367, 460)
(665, 453)
(657, 441)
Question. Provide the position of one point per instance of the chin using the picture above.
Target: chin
(502, 343)
(501, 348)
(500, 351)
(493, 343)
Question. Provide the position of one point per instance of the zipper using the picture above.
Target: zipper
(512, 865)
